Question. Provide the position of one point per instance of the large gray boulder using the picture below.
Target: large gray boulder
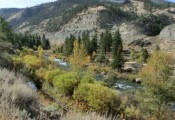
(168, 33)
(167, 37)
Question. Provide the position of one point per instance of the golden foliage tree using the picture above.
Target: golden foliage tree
(158, 86)
(79, 56)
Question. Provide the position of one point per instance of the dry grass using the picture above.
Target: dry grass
(9, 112)
(15, 90)
(85, 116)
(16, 98)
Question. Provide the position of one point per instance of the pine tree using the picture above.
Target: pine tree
(68, 45)
(117, 48)
(86, 41)
(45, 43)
(108, 40)
(94, 44)
(145, 54)
(102, 57)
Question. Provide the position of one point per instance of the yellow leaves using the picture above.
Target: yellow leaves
(79, 57)
(133, 112)
(40, 52)
(26, 51)
(158, 68)
(32, 62)
(41, 73)
(16, 60)
(51, 58)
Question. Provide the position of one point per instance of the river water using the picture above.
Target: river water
(120, 84)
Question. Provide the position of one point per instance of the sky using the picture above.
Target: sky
(172, 0)
(21, 3)
(25, 3)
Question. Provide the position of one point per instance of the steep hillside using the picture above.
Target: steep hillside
(64, 17)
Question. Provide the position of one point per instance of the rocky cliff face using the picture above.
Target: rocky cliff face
(167, 38)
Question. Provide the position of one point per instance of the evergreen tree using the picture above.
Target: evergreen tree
(69, 45)
(86, 41)
(45, 43)
(102, 54)
(108, 40)
(94, 44)
(117, 48)
(145, 54)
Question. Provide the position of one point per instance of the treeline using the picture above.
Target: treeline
(149, 5)
(30, 41)
(153, 24)
(101, 47)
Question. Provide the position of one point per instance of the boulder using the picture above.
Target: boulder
(138, 80)
(168, 33)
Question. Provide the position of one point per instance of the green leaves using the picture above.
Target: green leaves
(158, 85)
(97, 96)
(117, 49)
(66, 83)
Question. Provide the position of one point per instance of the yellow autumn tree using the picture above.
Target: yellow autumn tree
(79, 56)
(158, 85)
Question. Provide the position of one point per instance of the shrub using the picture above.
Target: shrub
(41, 73)
(9, 112)
(14, 89)
(81, 93)
(102, 98)
(15, 93)
(67, 82)
(133, 113)
(49, 75)
(97, 96)
(88, 76)
(32, 62)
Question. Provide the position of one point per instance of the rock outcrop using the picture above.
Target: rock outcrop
(168, 33)
(167, 38)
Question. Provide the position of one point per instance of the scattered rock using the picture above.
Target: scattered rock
(140, 42)
(138, 80)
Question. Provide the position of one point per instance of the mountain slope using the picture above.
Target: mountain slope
(61, 18)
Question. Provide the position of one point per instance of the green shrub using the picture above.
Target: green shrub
(40, 73)
(88, 76)
(49, 75)
(97, 96)
(67, 82)
(133, 113)
(81, 93)
(101, 98)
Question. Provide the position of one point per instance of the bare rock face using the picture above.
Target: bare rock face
(167, 37)
(168, 33)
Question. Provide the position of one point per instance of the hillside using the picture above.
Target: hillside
(116, 61)
(59, 19)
